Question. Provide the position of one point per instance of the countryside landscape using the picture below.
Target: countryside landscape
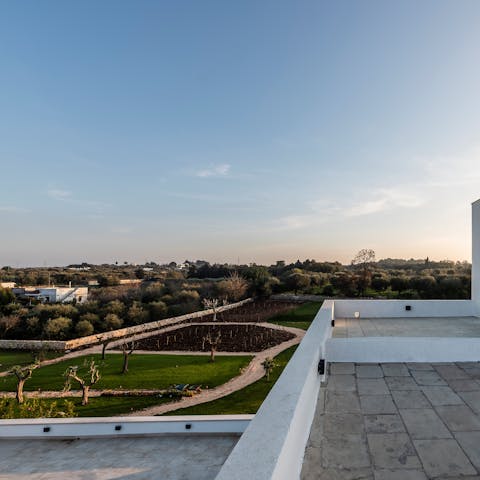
(217, 361)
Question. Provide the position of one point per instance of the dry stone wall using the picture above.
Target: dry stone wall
(113, 335)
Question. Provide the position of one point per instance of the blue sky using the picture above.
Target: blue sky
(253, 130)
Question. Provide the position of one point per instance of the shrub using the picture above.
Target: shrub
(36, 408)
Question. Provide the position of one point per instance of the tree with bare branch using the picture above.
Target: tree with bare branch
(213, 340)
(23, 373)
(212, 303)
(234, 287)
(127, 350)
(363, 261)
(85, 380)
(105, 343)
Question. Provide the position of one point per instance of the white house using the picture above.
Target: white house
(53, 294)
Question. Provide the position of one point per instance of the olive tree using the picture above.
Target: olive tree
(213, 304)
(212, 340)
(268, 365)
(23, 373)
(363, 261)
(127, 350)
(85, 379)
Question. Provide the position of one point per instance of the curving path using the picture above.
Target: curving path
(253, 372)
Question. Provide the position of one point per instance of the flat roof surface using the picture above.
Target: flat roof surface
(407, 327)
(396, 421)
(135, 458)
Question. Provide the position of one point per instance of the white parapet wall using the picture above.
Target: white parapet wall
(274, 443)
(476, 256)
(48, 428)
(398, 308)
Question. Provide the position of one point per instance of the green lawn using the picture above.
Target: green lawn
(247, 400)
(300, 317)
(10, 358)
(145, 371)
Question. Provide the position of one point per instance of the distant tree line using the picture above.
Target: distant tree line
(167, 290)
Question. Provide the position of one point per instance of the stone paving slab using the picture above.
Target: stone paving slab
(372, 386)
(403, 421)
(395, 370)
(470, 443)
(459, 418)
(410, 399)
(345, 402)
(383, 424)
(369, 371)
(423, 423)
(343, 368)
(371, 404)
(400, 475)
(472, 399)
(443, 458)
(442, 396)
(392, 450)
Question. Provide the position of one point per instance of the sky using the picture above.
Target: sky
(247, 131)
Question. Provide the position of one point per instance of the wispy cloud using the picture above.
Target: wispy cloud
(58, 194)
(384, 199)
(221, 170)
(370, 203)
(13, 209)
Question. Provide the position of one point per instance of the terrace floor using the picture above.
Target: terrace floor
(135, 458)
(407, 327)
(396, 421)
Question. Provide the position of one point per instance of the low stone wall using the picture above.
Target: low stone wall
(32, 345)
(290, 297)
(114, 334)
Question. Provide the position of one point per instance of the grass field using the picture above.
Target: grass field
(10, 358)
(145, 371)
(300, 317)
(247, 400)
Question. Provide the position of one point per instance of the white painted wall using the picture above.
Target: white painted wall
(476, 256)
(403, 349)
(274, 443)
(396, 308)
(105, 427)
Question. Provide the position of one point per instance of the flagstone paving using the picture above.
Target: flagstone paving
(394, 421)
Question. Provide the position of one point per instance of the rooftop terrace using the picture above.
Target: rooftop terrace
(135, 458)
(394, 421)
(407, 327)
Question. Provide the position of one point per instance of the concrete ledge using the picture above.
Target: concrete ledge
(274, 443)
(43, 428)
(403, 349)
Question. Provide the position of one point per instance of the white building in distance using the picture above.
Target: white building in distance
(53, 294)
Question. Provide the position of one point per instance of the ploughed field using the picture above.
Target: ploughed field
(255, 312)
(232, 338)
